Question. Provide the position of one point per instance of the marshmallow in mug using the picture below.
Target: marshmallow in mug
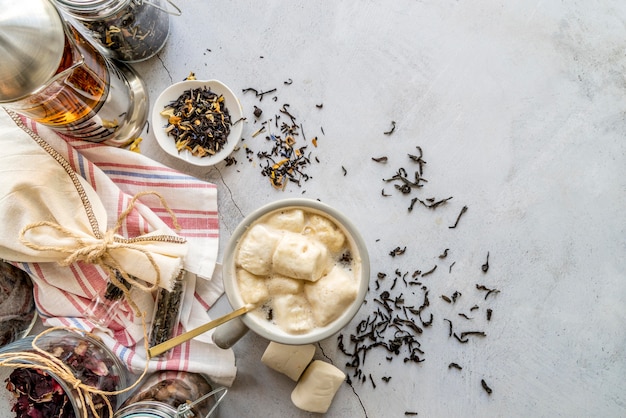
(294, 263)
(300, 257)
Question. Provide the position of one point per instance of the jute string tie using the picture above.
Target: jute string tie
(99, 252)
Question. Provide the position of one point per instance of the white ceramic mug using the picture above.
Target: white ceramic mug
(228, 334)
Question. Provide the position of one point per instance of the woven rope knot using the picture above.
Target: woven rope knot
(76, 384)
(96, 253)
(97, 249)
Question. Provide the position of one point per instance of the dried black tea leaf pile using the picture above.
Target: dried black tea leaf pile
(402, 307)
(283, 154)
(199, 122)
(408, 181)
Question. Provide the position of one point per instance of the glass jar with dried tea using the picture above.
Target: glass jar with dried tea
(171, 394)
(131, 30)
(167, 311)
(17, 303)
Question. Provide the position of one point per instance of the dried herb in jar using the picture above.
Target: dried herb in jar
(175, 389)
(113, 292)
(103, 308)
(167, 313)
(37, 394)
(199, 122)
(135, 33)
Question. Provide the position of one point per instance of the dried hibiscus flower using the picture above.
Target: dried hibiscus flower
(38, 393)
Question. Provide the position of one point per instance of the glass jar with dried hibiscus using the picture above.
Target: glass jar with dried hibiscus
(62, 373)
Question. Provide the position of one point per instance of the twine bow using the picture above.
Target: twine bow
(97, 250)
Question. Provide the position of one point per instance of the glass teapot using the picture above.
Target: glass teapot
(51, 74)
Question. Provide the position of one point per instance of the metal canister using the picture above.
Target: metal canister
(51, 74)
(130, 30)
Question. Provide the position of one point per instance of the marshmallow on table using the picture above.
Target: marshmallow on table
(317, 387)
(300, 257)
(290, 360)
(256, 249)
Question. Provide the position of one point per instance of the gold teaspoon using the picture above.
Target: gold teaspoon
(179, 339)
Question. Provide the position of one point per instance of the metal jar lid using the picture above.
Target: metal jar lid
(91, 10)
(146, 409)
(94, 9)
(31, 46)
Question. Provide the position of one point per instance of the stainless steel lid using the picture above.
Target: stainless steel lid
(31, 46)
(93, 9)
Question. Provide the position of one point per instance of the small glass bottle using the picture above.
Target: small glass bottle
(131, 30)
(105, 305)
(172, 394)
(167, 311)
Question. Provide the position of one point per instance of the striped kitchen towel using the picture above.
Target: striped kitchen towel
(48, 178)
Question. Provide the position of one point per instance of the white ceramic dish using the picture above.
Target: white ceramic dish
(173, 92)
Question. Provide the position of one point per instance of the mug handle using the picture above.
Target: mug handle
(226, 335)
